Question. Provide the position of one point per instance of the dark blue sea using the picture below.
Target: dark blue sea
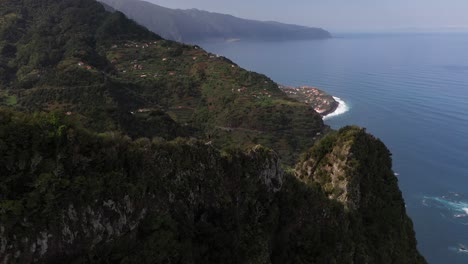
(411, 91)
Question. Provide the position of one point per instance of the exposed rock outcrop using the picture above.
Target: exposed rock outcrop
(355, 169)
(91, 191)
(71, 195)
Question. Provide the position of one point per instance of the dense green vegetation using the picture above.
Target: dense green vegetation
(74, 57)
(117, 146)
(76, 196)
(345, 164)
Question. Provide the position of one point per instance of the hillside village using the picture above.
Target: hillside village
(322, 102)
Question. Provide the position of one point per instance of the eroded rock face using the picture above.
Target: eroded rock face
(72, 229)
(332, 172)
(70, 195)
(271, 173)
(354, 169)
(173, 178)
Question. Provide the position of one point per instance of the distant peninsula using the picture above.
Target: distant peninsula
(193, 25)
(320, 101)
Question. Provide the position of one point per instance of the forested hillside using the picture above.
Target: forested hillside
(102, 68)
(71, 195)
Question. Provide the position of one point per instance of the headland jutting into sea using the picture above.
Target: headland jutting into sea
(326, 105)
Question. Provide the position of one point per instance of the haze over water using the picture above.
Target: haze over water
(411, 91)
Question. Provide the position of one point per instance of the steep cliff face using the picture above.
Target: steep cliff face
(75, 196)
(67, 192)
(355, 169)
(332, 164)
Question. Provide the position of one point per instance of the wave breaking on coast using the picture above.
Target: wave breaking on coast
(341, 109)
(452, 206)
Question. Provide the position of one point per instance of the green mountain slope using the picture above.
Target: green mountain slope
(196, 25)
(117, 146)
(75, 57)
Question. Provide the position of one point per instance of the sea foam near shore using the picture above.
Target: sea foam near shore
(451, 205)
(341, 109)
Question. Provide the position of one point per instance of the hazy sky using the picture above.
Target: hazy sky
(366, 15)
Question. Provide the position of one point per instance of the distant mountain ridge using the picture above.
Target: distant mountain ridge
(194, 25)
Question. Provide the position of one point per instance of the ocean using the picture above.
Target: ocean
(411, 91)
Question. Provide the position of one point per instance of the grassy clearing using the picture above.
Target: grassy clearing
(11, 100)
(6, 99)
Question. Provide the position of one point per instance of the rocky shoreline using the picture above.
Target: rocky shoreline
(320, 101)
